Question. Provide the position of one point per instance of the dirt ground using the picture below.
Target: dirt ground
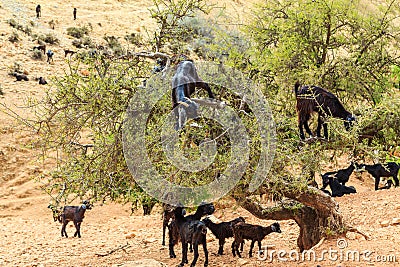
(28, 235)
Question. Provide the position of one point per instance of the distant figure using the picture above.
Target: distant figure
(42, 80)
(67, 51)
(50, 56)
(38, 11)
(74, 13)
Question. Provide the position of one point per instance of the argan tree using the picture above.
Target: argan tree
(329, 43)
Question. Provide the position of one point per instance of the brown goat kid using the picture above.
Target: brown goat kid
(76, 215)
(242, 231)
(316, 99)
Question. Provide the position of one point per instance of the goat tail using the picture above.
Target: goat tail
(296, 87)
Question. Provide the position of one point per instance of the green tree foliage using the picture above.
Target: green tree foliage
(341, 45)
(82, 118)
(328, 43)
(169, 16)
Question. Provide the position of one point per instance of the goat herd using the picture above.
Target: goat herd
(191, 230)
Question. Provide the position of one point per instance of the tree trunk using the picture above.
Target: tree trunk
(314, 225)
(314, 212)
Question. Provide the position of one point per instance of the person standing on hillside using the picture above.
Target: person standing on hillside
(38, 11)
(74, 13)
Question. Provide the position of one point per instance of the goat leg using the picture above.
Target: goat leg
(251, 248)
(195, 254)
(221, 246)
(396, 180)
(63, 231)
(205, 253)
(377, 180)
(184, 254)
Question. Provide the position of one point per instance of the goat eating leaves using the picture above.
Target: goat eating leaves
(316, 99)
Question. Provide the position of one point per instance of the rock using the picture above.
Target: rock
(149, 240)
(395, 221)
(242, 262)
(385, 223)
(397, 207)
(141, 263)
(130, 236)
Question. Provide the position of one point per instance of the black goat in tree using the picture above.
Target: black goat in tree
(316, 99)
(390, 169)
(184, 83)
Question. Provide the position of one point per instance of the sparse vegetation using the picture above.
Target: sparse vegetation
(14, 37)
(114, 44)
(83, 42)
(357, 67)
(134, 38)
(25, 29)
(79, 32)
(37, 54)
(49, 38)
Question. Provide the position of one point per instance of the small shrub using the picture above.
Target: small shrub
(83, 42)
(14, 37)
(37, 54)
(52, 24)
(27, 30)
(12, 23)
(79, 32)
(17, 67)
(49, 38)
(114, 44)
(134, 38)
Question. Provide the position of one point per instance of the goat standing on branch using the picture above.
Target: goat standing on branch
(184, 84)
(316, 99)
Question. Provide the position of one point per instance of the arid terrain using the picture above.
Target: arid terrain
(30, 237)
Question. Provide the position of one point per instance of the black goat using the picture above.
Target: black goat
(38, 11)
(390, 169)
(173, 230)
(184, 83)
(40, 48)
(337, 189)
(191, 232)
(76, 215)
(68, 52)
(20, 76)
(222, 230)
(242, 231)
(316, 99)
(42, 81)
(342, 176)
(168, 214)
